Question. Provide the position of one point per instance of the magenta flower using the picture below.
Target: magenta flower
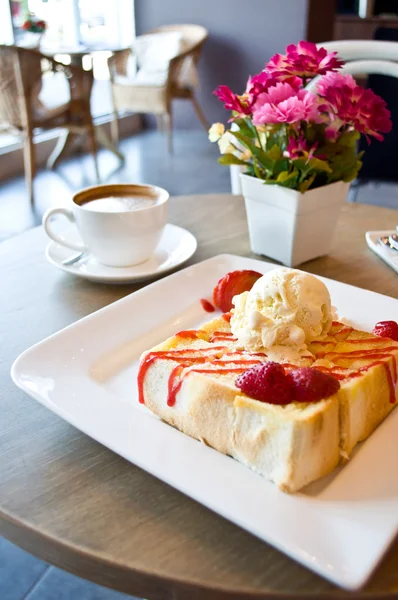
(261, 83)
(355, 106)
(335, 80)
(303, 60)
(299, 147)
(231, 101)
(284, 104)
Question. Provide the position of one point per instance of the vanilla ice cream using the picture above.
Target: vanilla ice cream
(285, 309)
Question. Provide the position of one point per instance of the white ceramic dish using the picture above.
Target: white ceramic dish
(389, 256)
(176, 246)
(339, 526)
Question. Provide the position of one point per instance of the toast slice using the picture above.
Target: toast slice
(189, 382)
(367, 368)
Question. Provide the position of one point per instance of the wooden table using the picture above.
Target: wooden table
(75, 504)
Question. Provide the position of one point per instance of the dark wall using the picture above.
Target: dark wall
(243, 35)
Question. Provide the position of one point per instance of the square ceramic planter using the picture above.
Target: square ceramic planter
(288, 226)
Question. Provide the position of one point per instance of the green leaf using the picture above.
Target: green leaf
(319, 165)
(277, 136)
(246, 128)
(352, 173)
(305, 185)
(275, 153)
(343, 160)
(261, 156)
(257, 171)
(288, 180)
(230, 159)
(281, 165)
(349, 139)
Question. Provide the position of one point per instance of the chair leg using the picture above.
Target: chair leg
(115, 136)
(29, 163)
(159, 122)
(200, 113)
(93, 148)
(168, 119)
(103, 140)
(65, 142)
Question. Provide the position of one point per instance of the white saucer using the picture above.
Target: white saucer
(176, 246)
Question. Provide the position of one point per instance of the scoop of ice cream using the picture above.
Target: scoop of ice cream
(285, 307)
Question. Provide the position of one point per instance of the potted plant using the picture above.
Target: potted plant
(298, 148)
(35, 29)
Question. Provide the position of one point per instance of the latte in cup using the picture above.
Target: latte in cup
(120, 224)
(114, 204)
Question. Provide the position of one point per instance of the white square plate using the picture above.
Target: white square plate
(339, 526)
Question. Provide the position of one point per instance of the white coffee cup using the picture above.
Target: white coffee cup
(116, 238)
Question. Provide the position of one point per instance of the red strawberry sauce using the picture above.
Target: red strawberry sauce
(207, 306)
(238, 362)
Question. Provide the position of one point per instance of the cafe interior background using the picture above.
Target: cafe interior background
(241, 38)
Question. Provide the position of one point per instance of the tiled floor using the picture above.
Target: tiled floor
(24, 577)
(192, 169)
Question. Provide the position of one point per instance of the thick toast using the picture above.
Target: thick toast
(189, 382)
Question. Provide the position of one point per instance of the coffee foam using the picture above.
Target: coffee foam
(120, 203)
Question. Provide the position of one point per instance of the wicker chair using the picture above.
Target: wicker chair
(22, 111)
(157, 99)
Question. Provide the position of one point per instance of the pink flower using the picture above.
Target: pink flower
(259, 83)
(303, 60)
(299, 147)
(335, 80)
(355, 106)
(284, 104)
(262, 82)
(231, 101)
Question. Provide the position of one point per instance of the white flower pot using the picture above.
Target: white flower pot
(288, 226)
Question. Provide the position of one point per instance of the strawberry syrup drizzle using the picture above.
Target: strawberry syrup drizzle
(188, 333)
(394, 370)
(207, 306)
(202, 355)
(174, 384)
(374, 340)
(391, 383)
(185, 356)
(177, 378)
(346, 330)
(224, 336)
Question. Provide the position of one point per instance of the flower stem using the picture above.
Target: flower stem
(258, 137)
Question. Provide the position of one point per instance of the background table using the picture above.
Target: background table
(73, 503)
(76, 55)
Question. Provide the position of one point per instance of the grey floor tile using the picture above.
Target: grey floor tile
(19, 571)
(59, 585)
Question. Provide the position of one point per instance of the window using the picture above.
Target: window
(74, 22)
(71, 24)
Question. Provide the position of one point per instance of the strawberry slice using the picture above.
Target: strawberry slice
(231, 285)
(388, 329)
